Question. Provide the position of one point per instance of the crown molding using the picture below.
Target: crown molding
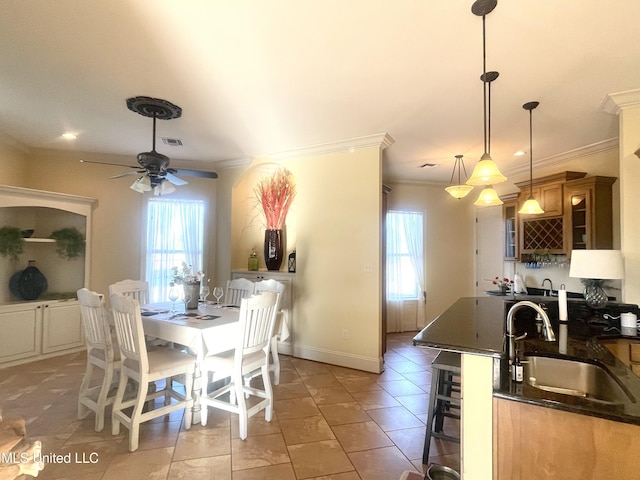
(232, 163)
(379, 140)
(555, 160)
(616, 102)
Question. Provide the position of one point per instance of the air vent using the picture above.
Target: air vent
(174, 142)
(429, 165)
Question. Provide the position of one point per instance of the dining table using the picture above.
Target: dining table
(207, 330)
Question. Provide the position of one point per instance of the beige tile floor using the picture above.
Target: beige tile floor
(330, 423)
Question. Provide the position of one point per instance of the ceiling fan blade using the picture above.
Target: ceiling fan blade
(194, 173)
(112, 164)
(128, 173)
(175, 180)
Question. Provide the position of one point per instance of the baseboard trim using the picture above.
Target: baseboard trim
(341, 359)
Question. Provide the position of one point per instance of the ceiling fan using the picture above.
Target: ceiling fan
(155, 173)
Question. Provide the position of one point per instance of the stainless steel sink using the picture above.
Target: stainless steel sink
(574, 378)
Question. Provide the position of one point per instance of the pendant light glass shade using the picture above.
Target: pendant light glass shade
(458, 191)
(141, 185)
(486, 172)
(531, 206)
(488, 198)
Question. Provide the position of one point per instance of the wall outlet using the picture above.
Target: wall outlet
(346, 334)
(368, 267)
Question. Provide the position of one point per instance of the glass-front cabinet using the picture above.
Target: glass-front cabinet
(588, 203)
(509, 215)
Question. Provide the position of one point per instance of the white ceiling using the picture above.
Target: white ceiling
(263, 76)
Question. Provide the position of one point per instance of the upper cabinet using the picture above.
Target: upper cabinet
(577, 215)
(588, 203)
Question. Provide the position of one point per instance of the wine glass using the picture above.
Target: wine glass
(174, 295)
(187, 299)
(204, 293)
(218, 292)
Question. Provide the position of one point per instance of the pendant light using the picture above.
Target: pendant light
(460, 190)
(486, 172)
(488, 198)
(531, 206)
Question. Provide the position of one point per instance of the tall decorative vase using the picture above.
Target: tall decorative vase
(191, 294)
(273, 249)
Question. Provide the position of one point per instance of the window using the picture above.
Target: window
(404, 255)
(175, 234)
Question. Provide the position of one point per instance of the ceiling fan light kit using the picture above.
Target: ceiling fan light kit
(486, 172)
(531, 206)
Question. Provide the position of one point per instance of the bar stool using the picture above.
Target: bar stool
(441, 402)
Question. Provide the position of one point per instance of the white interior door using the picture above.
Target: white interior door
(489, 246)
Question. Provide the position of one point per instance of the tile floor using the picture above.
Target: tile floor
(329, 423)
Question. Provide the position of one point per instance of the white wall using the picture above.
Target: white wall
(449, 241)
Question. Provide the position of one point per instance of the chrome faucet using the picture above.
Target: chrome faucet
(547, 331)
(550, 286)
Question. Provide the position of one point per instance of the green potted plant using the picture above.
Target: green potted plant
(70, 242)
(11, 242)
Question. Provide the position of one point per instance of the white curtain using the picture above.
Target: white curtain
(175, 234)
(404, 242)
(412, 224)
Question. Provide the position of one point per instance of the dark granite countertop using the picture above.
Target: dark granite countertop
(476, 326)
(470, 325)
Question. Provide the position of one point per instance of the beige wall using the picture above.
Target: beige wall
(449, 241)
(630, 201)
(117, 217)
(13, 162)
(334, 224)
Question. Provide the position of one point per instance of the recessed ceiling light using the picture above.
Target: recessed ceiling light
(69, 136)
(519, 153)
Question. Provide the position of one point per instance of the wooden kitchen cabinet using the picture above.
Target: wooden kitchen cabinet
(627, 350)
(588, 205)
(549, 197)
(532, 442)
(545, 232)
(510, 219)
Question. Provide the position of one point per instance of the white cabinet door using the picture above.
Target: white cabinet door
(62, 326)
(20, 327)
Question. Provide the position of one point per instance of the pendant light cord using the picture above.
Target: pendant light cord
(484, 81)
(531, 153)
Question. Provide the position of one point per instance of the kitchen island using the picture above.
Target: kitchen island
(475, 327)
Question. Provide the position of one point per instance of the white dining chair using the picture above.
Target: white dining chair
(272, 285)
(251, 353)
(101, 354)
(138, 289)
(142, 366)
(237, 289)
